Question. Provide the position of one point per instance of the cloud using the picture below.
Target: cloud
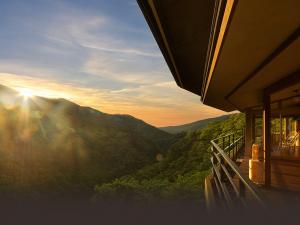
(125, 68)
(99, 32)
(94, 58)
(73, 44)
(153, 103)
(129, 51)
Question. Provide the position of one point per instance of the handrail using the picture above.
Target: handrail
(224, 168)
(228, 134)
(224, 136)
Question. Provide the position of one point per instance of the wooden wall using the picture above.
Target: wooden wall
(285, 174)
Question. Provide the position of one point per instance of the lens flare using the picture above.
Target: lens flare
(26, 93)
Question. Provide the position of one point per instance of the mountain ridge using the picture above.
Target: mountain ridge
(54, 145)
(193, 125)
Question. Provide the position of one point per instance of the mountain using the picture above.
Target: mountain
(55, 146)
(180, 174)
(192, 126)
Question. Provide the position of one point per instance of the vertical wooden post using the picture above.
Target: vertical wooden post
(242, 189)
(298, 130)
(281, 126)
(267, 138)
(249, 132)
(287, 127)
(281, 131)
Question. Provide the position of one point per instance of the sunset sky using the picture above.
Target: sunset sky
(98, 53)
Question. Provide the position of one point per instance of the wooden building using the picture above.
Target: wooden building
(239, 55)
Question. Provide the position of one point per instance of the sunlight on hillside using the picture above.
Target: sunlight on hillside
(26, 93)
(38, 140)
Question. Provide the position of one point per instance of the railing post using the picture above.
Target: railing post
(213, 160)
(223, 143)
(213, 156)
(236, 149)
(242, 189)
(224, 169)
(233, 146)
(222, 173)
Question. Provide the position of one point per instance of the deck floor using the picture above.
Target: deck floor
(273, 195)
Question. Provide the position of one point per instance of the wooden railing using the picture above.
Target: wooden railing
(231, 185)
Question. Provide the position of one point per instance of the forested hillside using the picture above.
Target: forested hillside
(180, 175)
(54, 146)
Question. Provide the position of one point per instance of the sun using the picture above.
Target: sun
(26, 93)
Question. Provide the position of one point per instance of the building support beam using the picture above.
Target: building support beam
(249, 132)
(267, 138)
(298, 130)
(287, 127)
(281, 131)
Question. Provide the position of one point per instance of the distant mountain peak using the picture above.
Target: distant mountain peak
(192, 126)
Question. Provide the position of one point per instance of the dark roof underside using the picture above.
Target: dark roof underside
(185, 38)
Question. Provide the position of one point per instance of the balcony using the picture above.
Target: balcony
(229, 184)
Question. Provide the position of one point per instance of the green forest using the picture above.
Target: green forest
(54, 148)
(180, 174)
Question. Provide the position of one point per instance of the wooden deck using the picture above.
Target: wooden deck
(273, 194)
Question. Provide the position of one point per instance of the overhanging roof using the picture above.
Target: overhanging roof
(182, 31)
(227, 51)
(260, 47)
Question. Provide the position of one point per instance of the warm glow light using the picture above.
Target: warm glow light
(158, 111)
(25, 92)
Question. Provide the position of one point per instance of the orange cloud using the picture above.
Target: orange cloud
(160, 104)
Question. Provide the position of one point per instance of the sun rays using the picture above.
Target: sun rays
(26, 92)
